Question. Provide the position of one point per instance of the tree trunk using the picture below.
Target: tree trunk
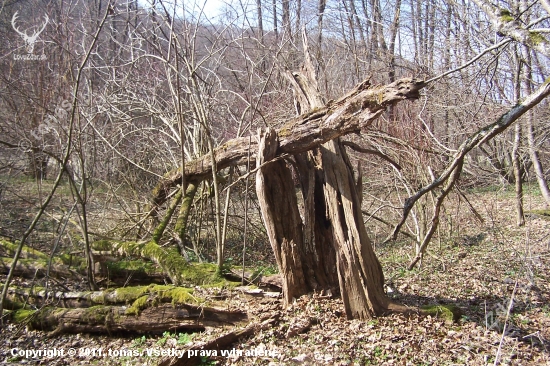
(332, 211)
(533, 153)
(183, 215)
(38, 165)
(286, 18)
(279, 207)
(113, 319)
(520, 218)
(260, 20)
(539, 171)
(359, 271)
(159, 230)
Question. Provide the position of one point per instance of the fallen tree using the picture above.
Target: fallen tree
(168, 259)
(115, 319)
(38, 296)
(351, 113)
(29, 268)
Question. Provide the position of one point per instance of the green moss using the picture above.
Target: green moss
(157, 294)
(138, 305)
(130, 265)
(201, 274)
(506, 16)
(129, 294)
(175, 295)
(537, 38)
(98, 314)
(172, 263)
(102, 245)
(26, 252)
(128, 247)
(451, 313)
(144, 297)
(22, 315)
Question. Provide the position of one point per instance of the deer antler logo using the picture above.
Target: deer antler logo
(29, 40)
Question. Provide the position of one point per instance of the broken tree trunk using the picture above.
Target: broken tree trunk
(351, 113)
(333, 238)
(359, 271)
(334, 231)
(279, 207)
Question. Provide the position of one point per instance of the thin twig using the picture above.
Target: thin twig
(477, 57)
(497, 357)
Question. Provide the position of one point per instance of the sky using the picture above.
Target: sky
(212, 8)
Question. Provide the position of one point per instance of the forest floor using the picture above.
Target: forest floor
(498, 274)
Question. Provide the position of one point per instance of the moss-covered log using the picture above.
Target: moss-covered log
(33, 262)
(159, 230)
(115, 319)
(168, 259)
(30, 268)
(121, 296)
(7, 249)
(183, 215)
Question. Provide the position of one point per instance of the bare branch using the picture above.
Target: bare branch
(358, 148)
(508, 26)
(480, 137)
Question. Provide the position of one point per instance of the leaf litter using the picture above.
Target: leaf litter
(477, 273)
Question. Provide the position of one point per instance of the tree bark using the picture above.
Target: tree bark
(260, 20)
(359, 271)
(279, 207)
(159, 230)
(537, 165)
(319, 257)
(518, 181)
(183, 215)
(533, 153)
(113, 319)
